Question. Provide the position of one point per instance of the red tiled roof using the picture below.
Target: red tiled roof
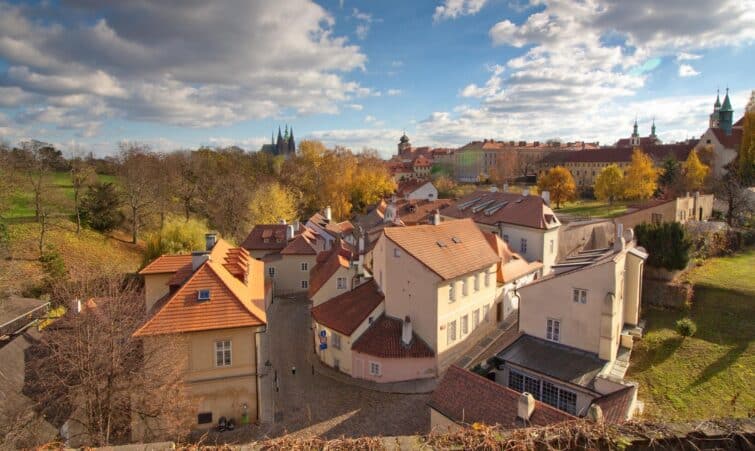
(466, 397)
(233, 302)
(731, 141)
(409, 186)
(266, 237)
(644, 141)
(512, 266)
(528, 211)
(383, 339)
(345, 312)
(302, 244)
(615, 406)
(449, 249)
(327, 264)
(166, 264)
(181, 275)
(658, 152)
(740, 122)
(336, 229)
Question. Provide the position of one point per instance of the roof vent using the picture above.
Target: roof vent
(455, 240)
(203, 295)
(440, 243)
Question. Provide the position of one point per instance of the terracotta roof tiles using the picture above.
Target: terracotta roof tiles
(383, 339)
(449, 249)
(266, 237)
(615, 406)
(328, 262)
(491, 208)
(345, 312)
(731, 141)
(512, 266)
(466, 397)
(166, 264)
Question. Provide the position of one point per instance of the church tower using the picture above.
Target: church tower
(404, 146)
(652, 130)
(635, 139)
(726, 115)
(713, 123)
(291, 143)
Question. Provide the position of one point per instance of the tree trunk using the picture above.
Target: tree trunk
(134, 224)
(42, 232)
(78, 213)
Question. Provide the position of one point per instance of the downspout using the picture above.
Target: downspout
(259, 373)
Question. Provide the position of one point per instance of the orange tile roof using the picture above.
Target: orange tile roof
(328, 262)
(512, 266)
(233, 302)
(345, 312)
(491, 208)
(383, 339)
(266, 237)
(615, 406)
(449, 249)
(467, 397)
(166, 264)
(302, 244)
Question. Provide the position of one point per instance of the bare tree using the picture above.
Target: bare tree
(138, 170)
(82, 175)
(32, 158)
(89, 372)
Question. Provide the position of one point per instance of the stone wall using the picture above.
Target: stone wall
(663, 293)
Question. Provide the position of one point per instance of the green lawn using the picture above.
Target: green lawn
(713, 373)
(22, 200)
(592, 208)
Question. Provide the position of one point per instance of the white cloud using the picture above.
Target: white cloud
(685, 70)
(451, 9)
(363, 28)
(393, 92)
(684, 56)
(355, 106)
(139, 61)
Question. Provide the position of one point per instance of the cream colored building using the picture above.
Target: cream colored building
(213, 302)
(694, 207)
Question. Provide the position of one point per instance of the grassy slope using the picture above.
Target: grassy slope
(22, 201)
(713, 373)
(593, 208)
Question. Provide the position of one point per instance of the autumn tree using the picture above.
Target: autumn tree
(176, 236)
(670, 180)
(640, 178)
(746, 156)
(89, 370)
(371, 182)
(138, 170)
(270, 203)
(445, 186)
(730, 189)
(34, 159)
(610, 183)
(560, 183)
(695, 172)
(505, 167)
(82, 175)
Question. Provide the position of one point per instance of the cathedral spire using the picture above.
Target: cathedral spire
(717, 105)
(634, 129)
(652, 128)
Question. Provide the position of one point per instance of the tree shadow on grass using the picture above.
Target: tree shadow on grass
(657, 354)
(721, 364)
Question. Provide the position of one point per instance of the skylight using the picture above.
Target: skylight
(203, 295)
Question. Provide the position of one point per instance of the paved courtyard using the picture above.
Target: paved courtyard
(308, 403)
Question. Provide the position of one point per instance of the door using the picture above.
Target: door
(499, 312)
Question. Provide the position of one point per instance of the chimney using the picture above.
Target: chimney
(282, 222)
(290, 231)
(328, 213)
(360, 252)
(525, 192)
(406, 331)
(618, 244)
(595, 413)
(493, 189)
(436, 218)
(525, 406)
(505, 187)
(297, 226)
(546, 195)
(197, 258)
(209, 241)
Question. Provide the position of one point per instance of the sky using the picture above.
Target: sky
(90, 74)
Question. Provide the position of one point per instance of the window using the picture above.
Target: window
(451, 333)
(305, 284)
(523, 246)
(374, 368)
(656, 218)
(203, 295)
(305, 266)
(204, 418)
(451, 292)
(336, 340)
(579, 295)
(524, 383)
(464, 290)
(396, 252)
(551, 246)
(559, 398)
(475, 318)
(223, 353)
(477, 282)
(553, 330)
(271, 271)
(487, 279)
(464, 325)
(505, 238)
(341, 283)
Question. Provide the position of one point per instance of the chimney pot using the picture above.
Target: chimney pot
(546, 195)
(197, 258)
(436, 217)
(526, 192)
(525, 406)
(618, 244)
(290, 231)
(210, 239)
(406, 331)
(328, 213)
(505, 187)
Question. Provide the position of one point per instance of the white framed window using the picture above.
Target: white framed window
(335, 340)
(451, 332)
(396, 252)
(223, 353)
(553, 330)
(203, 295)
(305, 284)
(451, 292)
(464, 289)
(579, 295)
(523, 245)
(341, 283)
(271, 271)
(487, 279)
(375, 368)
(305, 266)
(476, 318)
(464, 325)
(477, 282)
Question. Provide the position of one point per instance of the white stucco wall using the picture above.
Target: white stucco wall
(426, 191)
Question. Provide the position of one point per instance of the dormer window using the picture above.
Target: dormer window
(203, 295)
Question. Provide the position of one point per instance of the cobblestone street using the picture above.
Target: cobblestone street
(313, 404)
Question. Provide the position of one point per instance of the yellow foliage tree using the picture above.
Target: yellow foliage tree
(560, 183)
(270, 203)
(610, 184)
(641, 178)
(746, 155)
(695, 172)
